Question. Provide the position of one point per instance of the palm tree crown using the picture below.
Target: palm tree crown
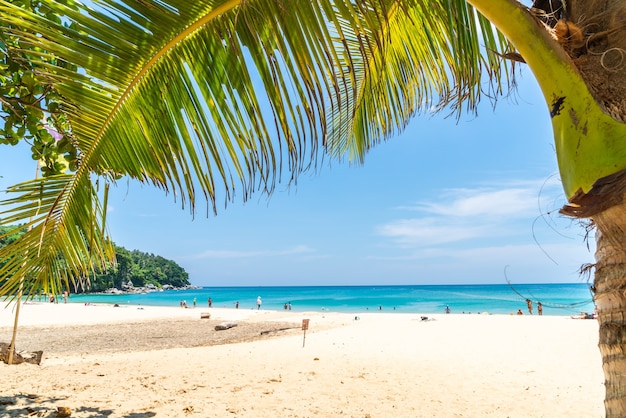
(212, 97)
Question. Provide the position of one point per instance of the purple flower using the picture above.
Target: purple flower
(56, 135)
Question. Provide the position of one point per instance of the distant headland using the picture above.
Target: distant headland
(130, 288)
(134, 272)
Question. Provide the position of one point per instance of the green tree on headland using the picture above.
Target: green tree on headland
(9, 234)
(140, 269)
(134, 266)
(163, 92)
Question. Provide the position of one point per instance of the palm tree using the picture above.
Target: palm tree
(218, 96)
(580, 66)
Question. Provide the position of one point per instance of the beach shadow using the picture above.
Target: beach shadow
(93, 412)
(34, 405)
(97, 412)
(24, 405)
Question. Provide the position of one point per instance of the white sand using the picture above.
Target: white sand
(382, 365)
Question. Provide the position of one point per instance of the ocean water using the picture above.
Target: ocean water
(557, 299)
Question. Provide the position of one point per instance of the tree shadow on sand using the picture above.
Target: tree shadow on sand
(21, 405)
(97, 412)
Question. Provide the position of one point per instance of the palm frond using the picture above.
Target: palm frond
(61, 244)
(165, 93)
(434, 55)
(220, 96)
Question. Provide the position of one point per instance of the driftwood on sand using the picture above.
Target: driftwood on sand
(33, 357)
(277, 330)
(225, 325)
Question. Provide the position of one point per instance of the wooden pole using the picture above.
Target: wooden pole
(305, 326)
(20, 295)
(18, 302)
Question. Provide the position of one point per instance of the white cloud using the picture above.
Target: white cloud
(513, 254)
(222, 254)
(475, 203)
(505, 199)
(427, 231)
(464, 214)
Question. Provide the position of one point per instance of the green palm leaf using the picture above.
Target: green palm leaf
(65, 239)
(215, 97)
(430, 59)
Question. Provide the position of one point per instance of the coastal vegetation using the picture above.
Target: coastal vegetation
(225, 96)
(135, 267)
(8, 235)
(139, 268)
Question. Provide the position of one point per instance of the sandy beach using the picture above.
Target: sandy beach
(103, 361)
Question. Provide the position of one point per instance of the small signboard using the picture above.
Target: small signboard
(305, 326)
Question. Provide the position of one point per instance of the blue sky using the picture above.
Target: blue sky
(445, 202)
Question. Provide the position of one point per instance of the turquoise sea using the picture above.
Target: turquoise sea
(557, 299)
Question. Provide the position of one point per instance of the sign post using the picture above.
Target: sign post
(305, 326)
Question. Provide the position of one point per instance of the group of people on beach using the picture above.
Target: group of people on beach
(259, 303)
(529, 304)
(52, 298)
(183, 303)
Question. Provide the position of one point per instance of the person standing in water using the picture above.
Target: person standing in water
(258, 302)
(530, 306)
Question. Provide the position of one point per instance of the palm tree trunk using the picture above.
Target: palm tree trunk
(18, 304)
(20, 295)
(610, 289)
